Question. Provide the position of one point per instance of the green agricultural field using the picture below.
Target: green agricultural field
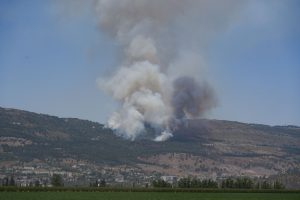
(145, 196)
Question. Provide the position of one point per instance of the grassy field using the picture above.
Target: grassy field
(145, 196)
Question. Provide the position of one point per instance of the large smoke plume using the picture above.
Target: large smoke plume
(157, 84)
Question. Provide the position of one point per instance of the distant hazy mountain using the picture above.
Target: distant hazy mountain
(208, 148)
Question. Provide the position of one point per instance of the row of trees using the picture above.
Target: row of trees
(239, 183)
(196, 183)
(161, 184)
(248, 183)
(229, 183)
(186, 183)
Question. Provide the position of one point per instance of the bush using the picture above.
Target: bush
(161, 184)
(57, 181)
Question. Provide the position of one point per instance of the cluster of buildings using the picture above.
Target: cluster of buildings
(78, 175)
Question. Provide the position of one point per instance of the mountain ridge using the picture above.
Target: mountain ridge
(206, 148)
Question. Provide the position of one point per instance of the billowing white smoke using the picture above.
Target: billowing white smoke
(141, 88)
(163, 137)
(151, 90)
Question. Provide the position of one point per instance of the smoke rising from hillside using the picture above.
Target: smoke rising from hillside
(190, 98)
(153, 84)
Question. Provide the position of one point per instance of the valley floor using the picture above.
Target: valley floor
(145, 196)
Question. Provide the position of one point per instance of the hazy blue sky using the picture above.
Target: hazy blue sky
(51, 56)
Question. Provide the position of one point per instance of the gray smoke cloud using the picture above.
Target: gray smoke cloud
(191, 99)
(160, 79)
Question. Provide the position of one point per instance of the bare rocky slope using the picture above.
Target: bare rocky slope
(203, 148)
